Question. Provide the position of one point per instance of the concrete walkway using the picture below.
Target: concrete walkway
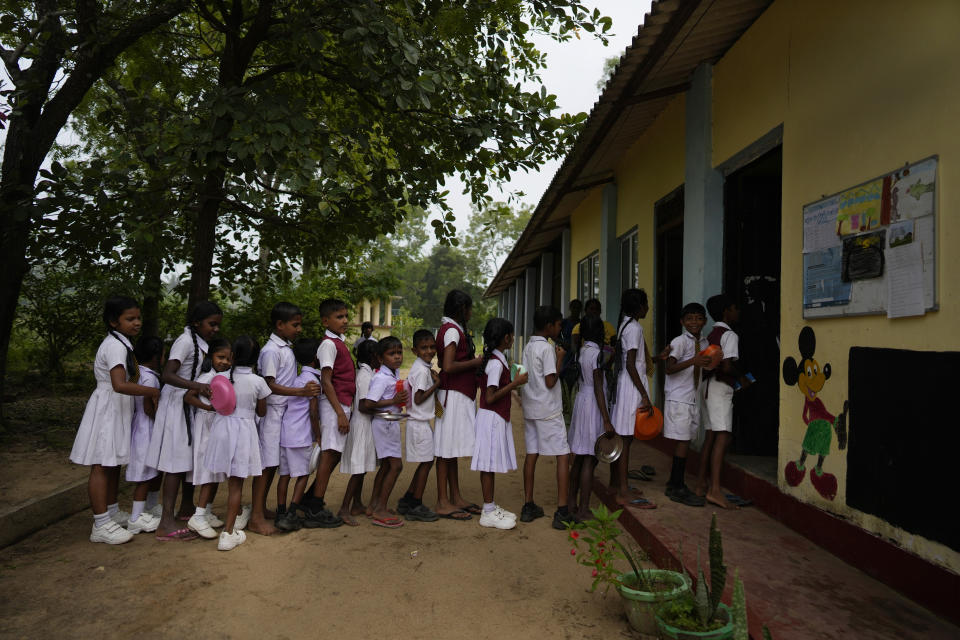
(795, 587)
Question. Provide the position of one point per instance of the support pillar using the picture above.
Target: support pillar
(609, 252)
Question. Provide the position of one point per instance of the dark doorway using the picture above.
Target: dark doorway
(751, 273)
(668, 299)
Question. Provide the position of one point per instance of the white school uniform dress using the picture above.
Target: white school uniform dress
(544, 430)
(202, 426)
(454, 431)
(137, 468)
(586, 421)
(359, 452)
(718, 404)
(623, 414)
(104, 434)
(494, 449)
(386, 433)
(278, 362)
(234, 448)
(296, 434)
(419, 435)
(330, 436)
(171, 448)
(681, 409)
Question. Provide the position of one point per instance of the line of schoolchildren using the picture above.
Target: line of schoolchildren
(171, 437)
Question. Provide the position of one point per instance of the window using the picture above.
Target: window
(588, 277)
(629, 278)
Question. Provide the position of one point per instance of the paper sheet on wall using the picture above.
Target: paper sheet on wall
(859, 208)
(822, 279)
(904, 281)
(820, 225)
(925, 234)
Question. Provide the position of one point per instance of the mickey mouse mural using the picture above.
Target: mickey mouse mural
(810, 378)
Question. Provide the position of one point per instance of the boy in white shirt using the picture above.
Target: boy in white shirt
(543, 427)
(422, 382)
(681, 410)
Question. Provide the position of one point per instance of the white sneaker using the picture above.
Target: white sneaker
(200, 525)
(506, 514)
(214, 521)
(111, 533)
(230, 541)
(242, 518)
(121, 518)
(497, 520)
(156, 511)
(145, 522)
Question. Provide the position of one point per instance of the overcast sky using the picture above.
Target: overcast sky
(573, 69)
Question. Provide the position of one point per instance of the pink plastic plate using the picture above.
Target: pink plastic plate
(224, 398)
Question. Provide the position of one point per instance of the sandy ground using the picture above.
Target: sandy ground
(425, 580)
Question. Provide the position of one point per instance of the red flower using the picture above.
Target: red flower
(593, 574)
(574, 534)
(600, 544)
(573, 552)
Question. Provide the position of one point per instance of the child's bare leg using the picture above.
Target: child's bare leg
(283, 483)
(328, 460)
(705, 452)
(155, 484)
(235, 489)
(486, 486)
(575, 478)
(393, 467)
(453, 477)
(622, 465)
(529, 471)
(419, 483)
(563, 479)
(349, 495)
(97, 488)
(586, 486)
(140, 491)
(444, 505)
(377, 484)
(171, 485)
(113, 483)
(298, 488)
(357, 507)
(260, 521)
(206, 494)
(715, 494)
(186, 498)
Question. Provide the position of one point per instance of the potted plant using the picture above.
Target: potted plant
(596, 545)
(701, 614)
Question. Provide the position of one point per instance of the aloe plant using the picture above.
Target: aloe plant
(740, 631)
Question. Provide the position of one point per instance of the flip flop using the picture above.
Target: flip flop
(472, 508)
(636, 474)
(178, 535)
(456, 515)
(737, 500)
(647, 469)
(642, 503)
(350, 521)
(387, 523)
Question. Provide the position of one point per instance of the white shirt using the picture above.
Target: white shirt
(327, 352)
(183, 350)
(494, 369)
(248, 386)
(278, 362)
(589, 354)
(631, 337)
(112, 352)
(450, 336)
(678, 387)
(383, 386)
(540, 359)
(729, 342)
(419, 379)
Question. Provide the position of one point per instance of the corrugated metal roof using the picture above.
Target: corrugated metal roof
(676, 36)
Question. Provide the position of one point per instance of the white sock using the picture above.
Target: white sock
(138, 506)
(113, 508)
(209, 508)
(101, 519)
(489, 506)
(153, 499)
(201, 511)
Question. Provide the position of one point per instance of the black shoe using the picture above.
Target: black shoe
(561, 520)
(288, 521)
(404, 505)
(684, 496)
(422, 513)
(321, 519)
(530, 512)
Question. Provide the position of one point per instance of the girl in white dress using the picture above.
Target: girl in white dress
(359, 454)
(493, 450)
(234, 446)
(631, 391)
(103, 439)
(171, 446)
(590, 417)
(203, 521)
(149, 353)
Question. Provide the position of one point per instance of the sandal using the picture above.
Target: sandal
(178, 535)
(642, 503)
(459, 514)
(472, 508)
(389, 523)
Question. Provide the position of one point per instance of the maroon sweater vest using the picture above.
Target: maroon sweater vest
(714, 338)
(344, 376)
(466, 381)
(502, 406)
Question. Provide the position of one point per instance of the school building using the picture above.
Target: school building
(798, 155)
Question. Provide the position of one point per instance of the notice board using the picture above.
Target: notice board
(871, 248)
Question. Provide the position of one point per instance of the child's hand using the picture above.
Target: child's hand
(434, 375)
(701, 360)
(663, 355)
(343, 423)
(521, 379)
(608, 427)
(646, 406)
(154, 393)
(310, 389)
(205, 390)
(561, 352)
(401, 397)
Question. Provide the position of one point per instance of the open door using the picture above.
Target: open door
(668, 298)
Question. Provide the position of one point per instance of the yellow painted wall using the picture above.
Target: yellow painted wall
(584, 233)
(860, 89)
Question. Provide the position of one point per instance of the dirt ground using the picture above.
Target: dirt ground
(425, 580)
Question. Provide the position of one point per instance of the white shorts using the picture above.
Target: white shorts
(718, 406)
(330, 436)
(680, 420)
(546, 436)
(419, 438)
(295, 461)
(268, 430)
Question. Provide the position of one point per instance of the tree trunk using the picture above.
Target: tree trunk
(205, 237)
(152, 294)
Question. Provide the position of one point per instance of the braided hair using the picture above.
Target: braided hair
(493, 334)
(113, 308)
(631, 302)
(245, 352)
(200, 311)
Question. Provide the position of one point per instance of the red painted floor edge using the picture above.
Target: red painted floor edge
(923, 582)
